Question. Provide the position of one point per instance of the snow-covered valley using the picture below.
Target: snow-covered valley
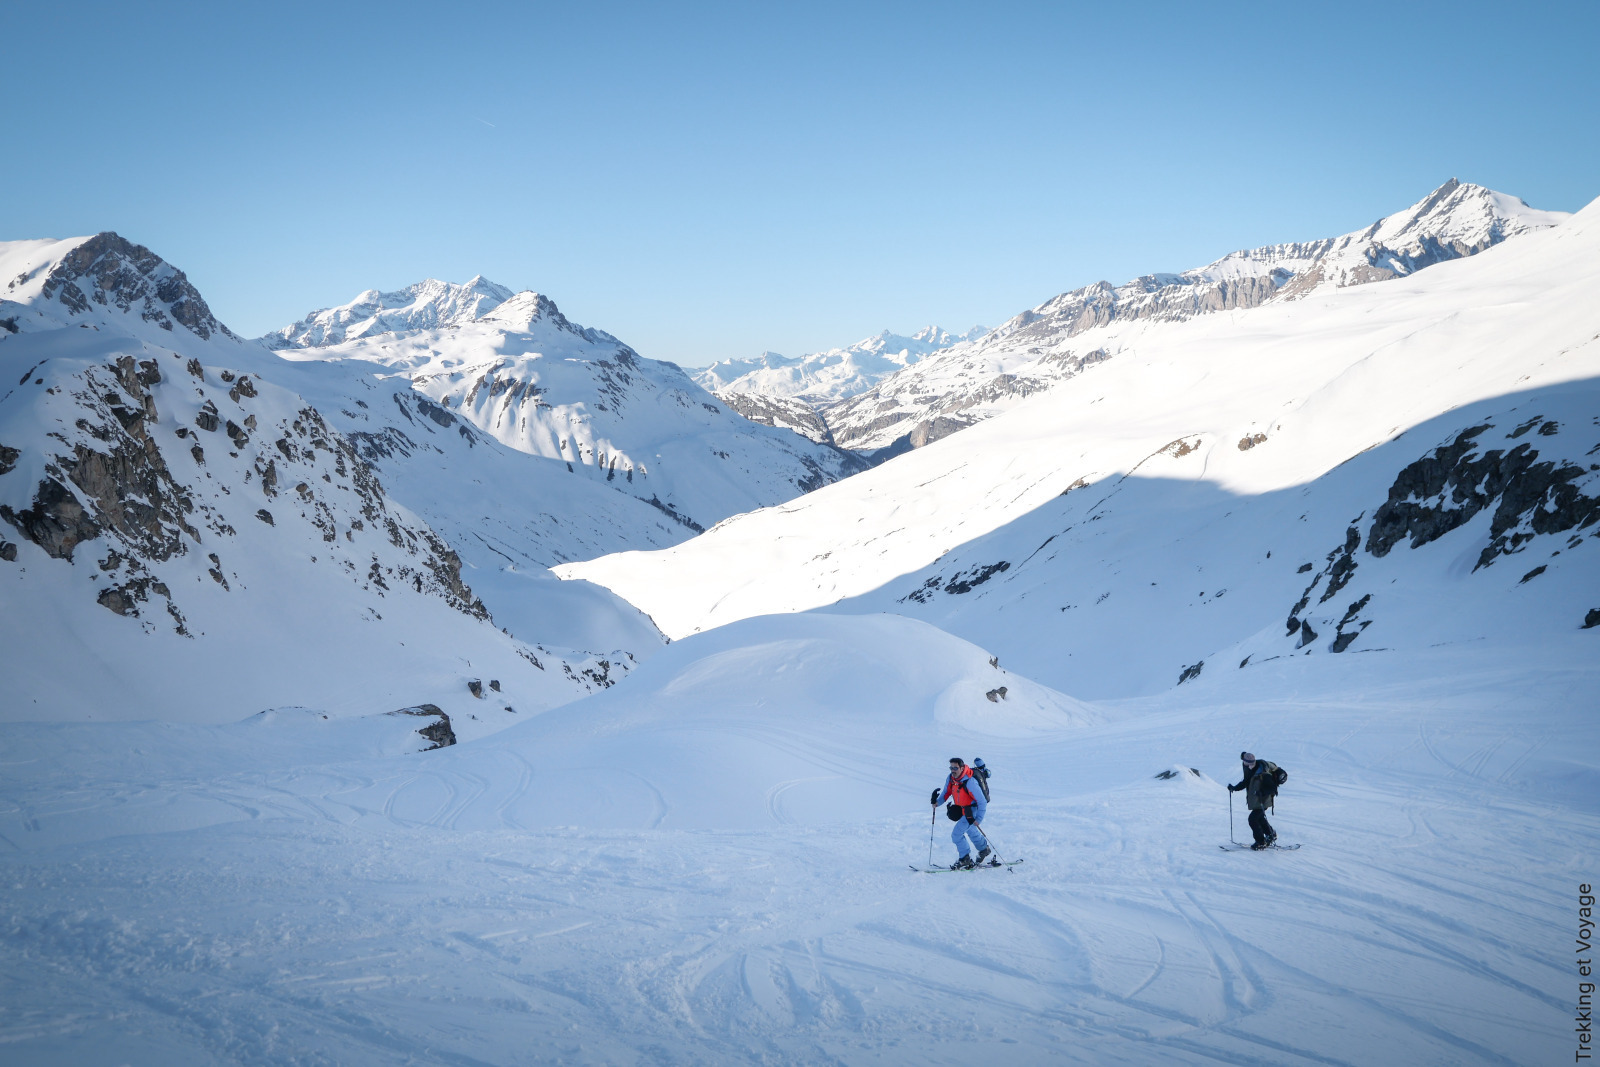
(409, 771)
(709, 864)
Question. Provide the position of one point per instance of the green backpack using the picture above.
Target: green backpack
(1274, 776)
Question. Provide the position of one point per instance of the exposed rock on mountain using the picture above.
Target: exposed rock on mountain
(788, 412)
(1447, 488)
(1532, 503)
(438, 732)
(149, 458)
(105, 271)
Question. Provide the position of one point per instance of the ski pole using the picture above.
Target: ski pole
(933, 817)
(993, 848)
(1231, 841)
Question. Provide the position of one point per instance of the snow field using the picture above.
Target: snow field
(616, 881)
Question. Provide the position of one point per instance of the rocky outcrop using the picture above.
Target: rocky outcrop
(958, 583)
(1447, 488)
(787, 412)
(113, 272)
(116, 478)
(1477, 471)
(438, 732)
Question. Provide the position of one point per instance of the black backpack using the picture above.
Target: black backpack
(980, 774)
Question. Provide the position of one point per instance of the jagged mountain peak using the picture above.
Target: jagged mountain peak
(428, 304)
(51, 283)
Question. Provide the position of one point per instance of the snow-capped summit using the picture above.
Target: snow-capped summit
(429, 304)
(526, 311)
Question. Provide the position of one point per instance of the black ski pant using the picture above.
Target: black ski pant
(1261, 827)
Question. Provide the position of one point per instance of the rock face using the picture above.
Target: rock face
(438, 732)
(110, 481)
(1481, 469)
(790, 413)
(1446, 489)
(112, 272)
(121, 478)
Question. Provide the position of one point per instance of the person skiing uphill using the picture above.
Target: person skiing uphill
(1258, 796)
(966, 809)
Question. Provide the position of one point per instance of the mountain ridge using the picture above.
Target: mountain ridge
(1079, 329)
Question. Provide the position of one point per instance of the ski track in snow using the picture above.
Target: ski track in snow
(437, 910)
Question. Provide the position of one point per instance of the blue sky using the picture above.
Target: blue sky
(708, 181)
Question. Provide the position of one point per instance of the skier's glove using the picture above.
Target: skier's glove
(934, 799)
(1233, 789)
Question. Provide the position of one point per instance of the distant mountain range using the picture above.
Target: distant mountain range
(952, 386)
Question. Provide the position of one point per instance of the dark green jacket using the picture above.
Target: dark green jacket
(1258, 794)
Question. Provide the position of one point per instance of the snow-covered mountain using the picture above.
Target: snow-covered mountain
(525, 376)
(429, 304)
(1386, 467)
(172, 511)
(832, 375)
(1080, 329)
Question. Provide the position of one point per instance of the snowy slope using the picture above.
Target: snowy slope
(429, 304)
(170, 512)
(1115, 532)
(1075, 331)
(708, 864)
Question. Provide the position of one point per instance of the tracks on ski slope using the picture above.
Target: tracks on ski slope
(420, 907)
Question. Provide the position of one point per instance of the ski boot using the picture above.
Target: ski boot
(983, 854)
(963, 864)
(1259, 846)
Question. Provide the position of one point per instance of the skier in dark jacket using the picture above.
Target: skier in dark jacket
(967, 808)
(1258, 797)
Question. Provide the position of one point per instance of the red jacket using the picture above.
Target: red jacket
(955, 789)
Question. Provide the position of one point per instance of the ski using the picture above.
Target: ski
(1269, 848)
(944, 870)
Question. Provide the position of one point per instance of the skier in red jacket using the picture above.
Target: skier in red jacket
(966, 809)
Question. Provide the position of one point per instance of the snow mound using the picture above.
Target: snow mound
(787, 720)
